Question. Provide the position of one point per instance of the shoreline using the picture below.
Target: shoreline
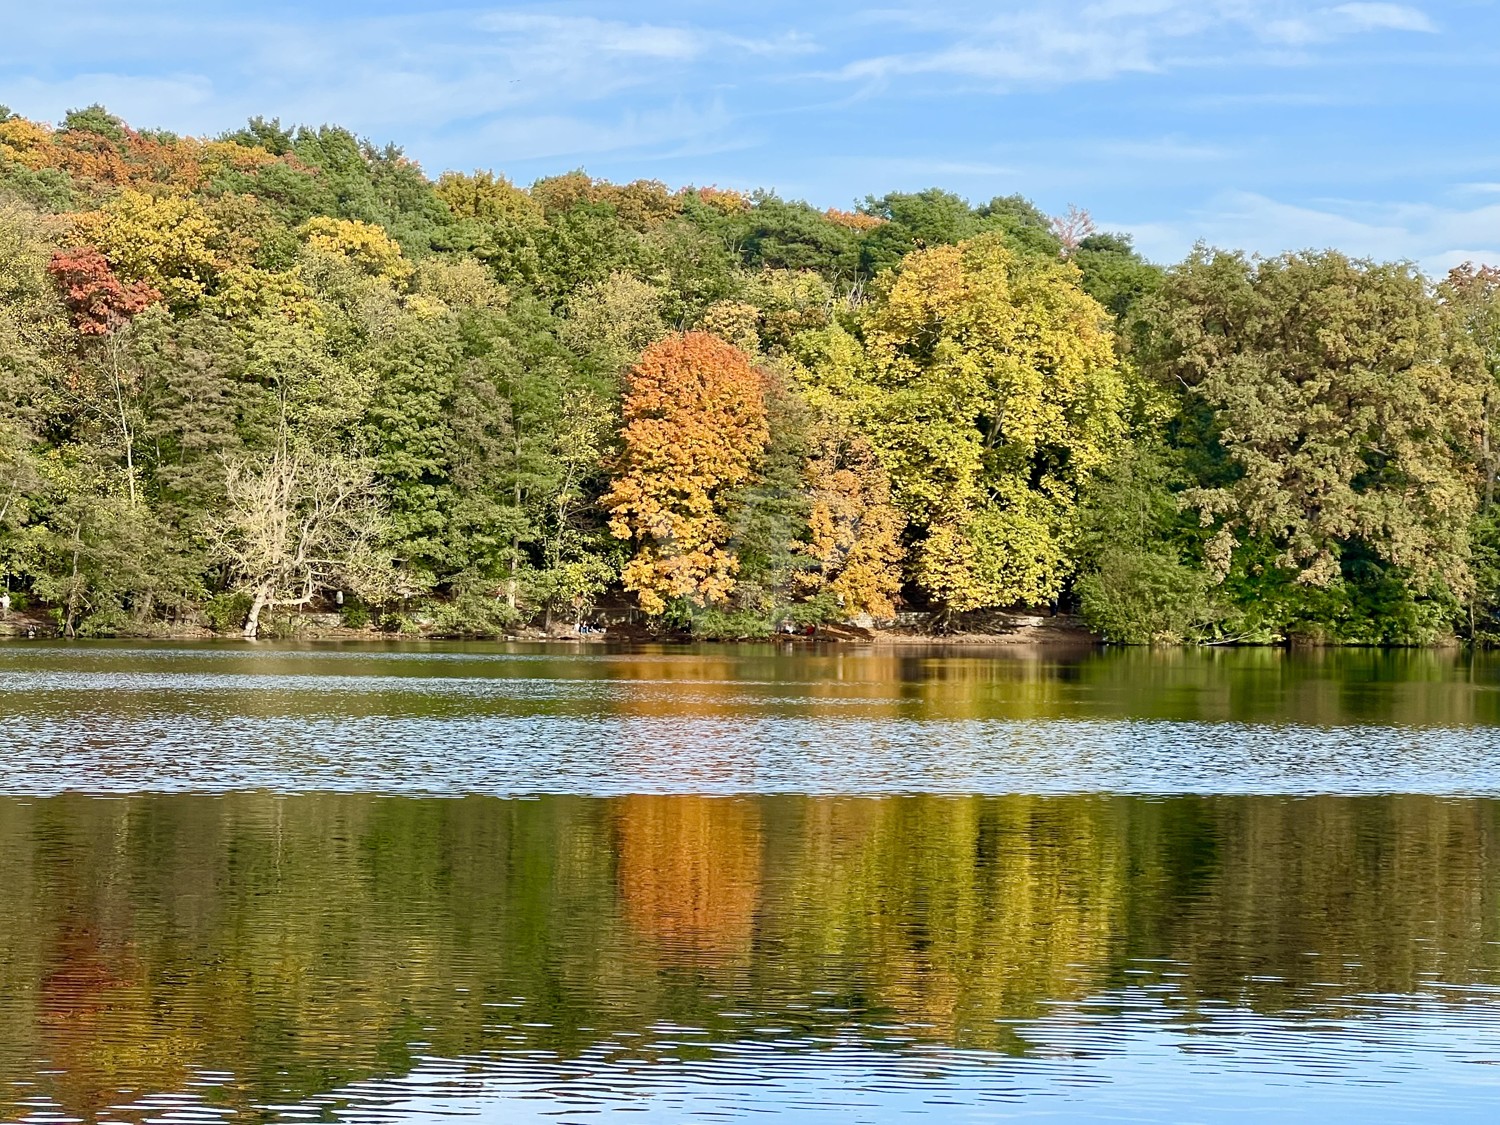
(1013, 631)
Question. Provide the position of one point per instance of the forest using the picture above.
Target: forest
(285, 370)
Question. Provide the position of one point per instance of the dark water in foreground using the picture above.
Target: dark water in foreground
(268, 885)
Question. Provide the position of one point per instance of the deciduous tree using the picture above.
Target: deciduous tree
(1345, 434)
(994, 395)
(165, 242)
(694, 426)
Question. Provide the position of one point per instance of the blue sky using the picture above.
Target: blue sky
(1263, 125)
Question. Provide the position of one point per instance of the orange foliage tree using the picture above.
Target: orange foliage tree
(128, 159)
(854, 220)
(694, 427)
(724, 200)
(640, 204)
(120, 157)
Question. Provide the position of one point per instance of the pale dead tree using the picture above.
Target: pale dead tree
(121, 389)
(299, 523)
(1071, 229)
(573, 577)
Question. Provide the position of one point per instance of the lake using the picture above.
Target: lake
(361, 884)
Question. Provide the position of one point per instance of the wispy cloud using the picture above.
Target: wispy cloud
(1323, 25)
(1385, 17)
(154, 98)
(533, 84)
(677, 128)
(1149, 110)
(589, 36)
(1432, 235)
(1063, 42)
(593, 36)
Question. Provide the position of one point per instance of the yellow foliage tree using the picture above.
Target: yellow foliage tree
(615, 319)
(854, 220)
(364, 245)
(726, 201)
(485, 196)
(165, 241)
(734, 322)
(994, 394)
(26, 143)
(855, 531)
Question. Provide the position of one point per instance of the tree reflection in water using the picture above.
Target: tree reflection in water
(291, 946)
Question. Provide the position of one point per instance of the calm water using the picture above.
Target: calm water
(269, 884)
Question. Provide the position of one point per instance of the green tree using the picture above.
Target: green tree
(1141, 578)
(931, 218)
(1343, 432)
(1470, 298)
(1116, 276)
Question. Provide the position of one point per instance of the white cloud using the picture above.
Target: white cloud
(916, 172)
(1385, 17)
(1075, 42)
(1321, 25)
(541, 137)
(1436, 237)
(627, 90)
(585, 35)
(155, 98)
(588, 35)
(534, 84)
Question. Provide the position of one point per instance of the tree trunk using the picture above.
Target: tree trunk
(73, 583)
(252, 622)
(1489, 465)
(515, 540)
(125, 435)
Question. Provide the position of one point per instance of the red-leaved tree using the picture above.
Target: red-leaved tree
(99, 301)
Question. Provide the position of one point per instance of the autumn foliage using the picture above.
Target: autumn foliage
(694, 426)
(855, 531)
(108, 154)
(724, 200)
(98, 300)
(920, 403)
(854, 220)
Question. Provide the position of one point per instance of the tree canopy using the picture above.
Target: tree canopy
(284, 367)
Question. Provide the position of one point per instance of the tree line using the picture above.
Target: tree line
(284, 368)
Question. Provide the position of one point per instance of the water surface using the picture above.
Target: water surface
(507, 721)
(321, 884)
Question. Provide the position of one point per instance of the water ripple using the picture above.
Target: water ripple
(748, 752)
